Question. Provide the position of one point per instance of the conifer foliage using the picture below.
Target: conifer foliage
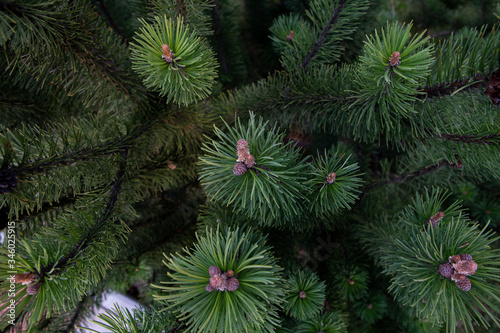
(250, 166)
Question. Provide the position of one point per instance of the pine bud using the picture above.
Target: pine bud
(242, 150)
(25, 278)
(465, 256)
(454, 259)
(230, 273)
(290, 36)
(232, 284)
(209, 288)
(32, 289)
(446, 270)
(369, 305)
(466, 267)
(214, 270)
(464, 284)
(239, 169)
(167, 53)
(435, 218)
(351, 282)
(250, 161)
(331, 178)
(457, 277)
(302, 294)
(219, 282)
(395, 59)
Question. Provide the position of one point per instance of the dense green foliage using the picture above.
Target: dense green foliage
(250, 166)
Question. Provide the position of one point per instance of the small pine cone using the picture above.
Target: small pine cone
(242, 144)
(465, 256)
(302, 294)
(331, 178)
(369, 305)
(232, 284)
(239, 169)
(351, 282)
(457, 277)
(230, 273)
(454, 259)
(465, 267)
(26, 278)
(446, 270)
(219, 282)
(435, 219)
(250, 161)
(290, 36)
(167, 53)
(32, 289)
(395, 59)
(464, 284)
(8, 181)
(214, 270)
(209, 288)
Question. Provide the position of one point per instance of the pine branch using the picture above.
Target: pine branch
(94, 231)
(75, 316)
(398, 179)
(471, 139)
(319, 42)
(451, 88)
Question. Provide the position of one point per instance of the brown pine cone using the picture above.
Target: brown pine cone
(32, 289)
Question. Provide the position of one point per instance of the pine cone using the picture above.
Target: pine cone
(250, 161)
(302, 294)
(209, 288)
(465, 256)
(25, 278)
(239, 169)
(8, 181)
(32, 289)
(446, 270)
(457, 277)
(435, 218)
(454, 259)
(464, 284)
(214, 270)
(230, 273)
(331, 178)
(395, 59)
(232, 284)
(219, 282)
(465, 267)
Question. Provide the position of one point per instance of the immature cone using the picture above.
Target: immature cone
(219, 282)
(232, 284)
(395, 59)
(209, 288)
(230, 273)
(25, 278)
(457, 277)
(167, 53)
(302, 294)
(239, 169)
(32, 289)
(465, 256)
(250, 161)
(454, 259)
(214, 270)
(435, 218)
(331, 178)
(446, 270)
(351, 282)
(464, 284)
(290, 36)
(242, 150)
(465, 267)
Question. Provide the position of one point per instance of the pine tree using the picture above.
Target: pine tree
(250, 166)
